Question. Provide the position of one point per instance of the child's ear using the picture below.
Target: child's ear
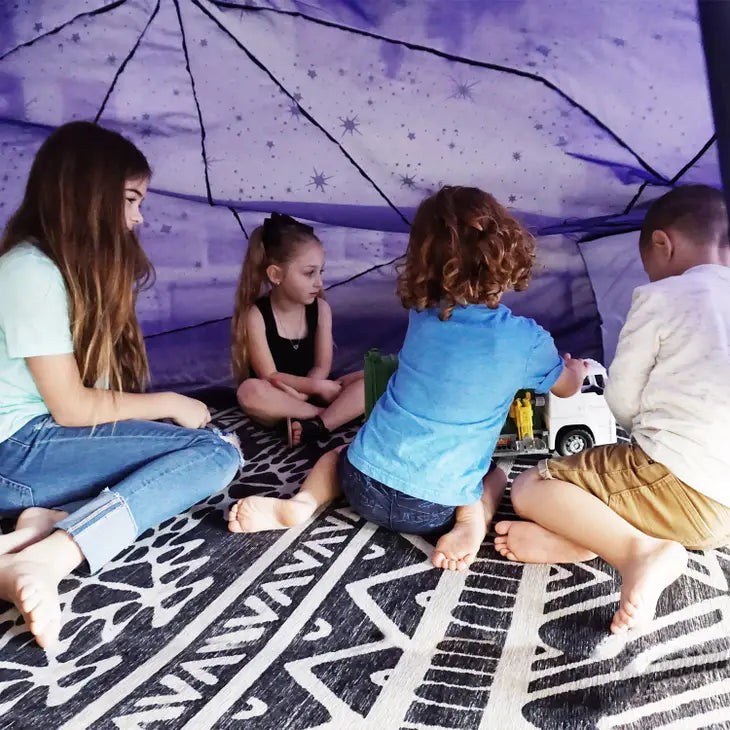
(662, 244)
(275, 274)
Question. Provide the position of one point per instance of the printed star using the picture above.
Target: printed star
(462, 90)
(204, 43)
(564, 113)
(176, 92)
(657, 36)
(411, 135)
(269, 144)
(370, 102)
(319, 180)
(146, 131)
(562, 141)
(145, 117)
(238, 117)
(111, 59)
(297, 97)
(620, 42)
(543, 50)
(38, 27)
(288, 190)
(312, 73)
(350, 125)
(75, 37)
(538, 126)
(512, 198)
(294, 110)
(516, 155)
(341, 72)
(166, 228)
(407, 181)
(451, 145)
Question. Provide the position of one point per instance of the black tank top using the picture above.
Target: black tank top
(288, 358)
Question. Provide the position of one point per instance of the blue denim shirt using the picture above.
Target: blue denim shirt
(432, 434)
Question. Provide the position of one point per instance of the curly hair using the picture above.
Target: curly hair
(464, 248)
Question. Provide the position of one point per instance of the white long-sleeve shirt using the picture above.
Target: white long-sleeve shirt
(669, 383)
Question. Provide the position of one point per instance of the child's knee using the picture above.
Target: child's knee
(524, 491)
(251, 393)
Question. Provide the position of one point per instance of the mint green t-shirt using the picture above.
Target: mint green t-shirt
(34, 321)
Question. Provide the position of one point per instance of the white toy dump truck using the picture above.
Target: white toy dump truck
(537, 424)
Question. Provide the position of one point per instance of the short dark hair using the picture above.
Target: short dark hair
(697, 211)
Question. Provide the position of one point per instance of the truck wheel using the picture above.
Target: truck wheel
(574, 441)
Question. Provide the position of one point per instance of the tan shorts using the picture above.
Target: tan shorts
(646, 494)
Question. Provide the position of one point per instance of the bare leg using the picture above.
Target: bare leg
(494, 485)
(352, 377)
(268, 404)
(458, 548)
(255, 514)
(30, 580)
(647, 564)
(33, 525)
(349, 404)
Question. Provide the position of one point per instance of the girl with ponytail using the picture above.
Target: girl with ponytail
(282, 336)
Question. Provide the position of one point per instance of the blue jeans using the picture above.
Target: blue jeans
(390, 508)
(115, 480)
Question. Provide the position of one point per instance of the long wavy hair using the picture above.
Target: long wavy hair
(274, 242)
(73, 211)
(464, 248)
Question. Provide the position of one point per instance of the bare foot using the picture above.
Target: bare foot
(256, 514)
(526, 542)
(457, 549)
(644, 579)
(34, 592)
(33, 525)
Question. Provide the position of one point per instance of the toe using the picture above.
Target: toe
(502, 527)
(437, 559)
(461, 565)
(511, 556)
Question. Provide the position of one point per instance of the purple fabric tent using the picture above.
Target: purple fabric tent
(347, 113)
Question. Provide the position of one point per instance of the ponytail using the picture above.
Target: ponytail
(253, 276)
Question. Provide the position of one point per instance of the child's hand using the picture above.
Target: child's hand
(328, 390)
(188, 412)
(578, 367)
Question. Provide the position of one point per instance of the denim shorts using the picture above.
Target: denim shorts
(390, 508)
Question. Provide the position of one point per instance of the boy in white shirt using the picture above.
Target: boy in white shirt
(639, 505)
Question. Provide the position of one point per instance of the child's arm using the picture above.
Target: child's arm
(72, 404)
(636, 353)
(571, 379)
(262, 362)
(323, 344)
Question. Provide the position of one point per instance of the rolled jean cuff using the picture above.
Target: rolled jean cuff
(101, 528)
(543, 469)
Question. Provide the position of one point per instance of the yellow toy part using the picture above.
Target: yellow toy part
(521, 411)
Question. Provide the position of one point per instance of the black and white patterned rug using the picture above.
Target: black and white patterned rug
(339, 625)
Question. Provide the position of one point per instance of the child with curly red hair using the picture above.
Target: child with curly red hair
(421, 464)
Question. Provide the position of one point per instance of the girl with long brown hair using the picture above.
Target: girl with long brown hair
(421, 464)
(282, 336)
(83, 460)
